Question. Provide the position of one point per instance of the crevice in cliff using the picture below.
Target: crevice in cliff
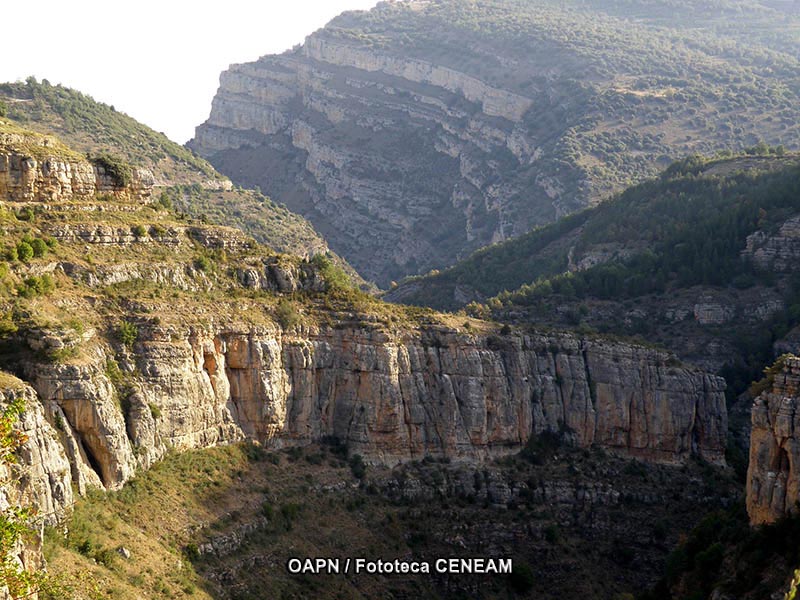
(86, 450)
(780, 462)
(696, 434)
(210, 367)
(592, 388)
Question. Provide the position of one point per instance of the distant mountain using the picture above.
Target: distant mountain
(417, 132)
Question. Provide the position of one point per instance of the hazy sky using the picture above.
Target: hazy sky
(157, 60)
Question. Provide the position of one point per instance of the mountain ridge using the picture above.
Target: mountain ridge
(413, 134)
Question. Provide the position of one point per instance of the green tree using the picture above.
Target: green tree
(24, 251)
(127, 333)
(39, 247)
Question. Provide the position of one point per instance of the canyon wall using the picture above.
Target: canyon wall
(402, 164)
(773, 479)
(389, 397)
(415, 133)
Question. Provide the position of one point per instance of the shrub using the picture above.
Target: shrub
(115, 168)
(357, 466)
(165, 201)
(24, 251)
(26, 214)
(191, 551)
(203, 263)
(127, 333)
(335, 277)
(287, 314)
(39, 247)
(155, 411)
(140, 231)
(290, 511)
(36, 286)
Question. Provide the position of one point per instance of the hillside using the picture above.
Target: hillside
(690, 198)
(418, 132)
(183, 180)
(139, 340)
(700, 260)
(90, 127)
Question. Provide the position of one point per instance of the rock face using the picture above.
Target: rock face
(25, 178)
(40, 478)
(773, 475)
(390, 398)
(413, 197)
(778, 251)
(417, 132)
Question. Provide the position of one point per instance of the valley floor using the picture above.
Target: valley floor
(223, 522)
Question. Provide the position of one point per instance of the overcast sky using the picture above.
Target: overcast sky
(157, 60)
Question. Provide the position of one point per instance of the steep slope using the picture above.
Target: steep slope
(415, 133)
(138, 332)
(182, 179)
(701, 260)
(575, 523)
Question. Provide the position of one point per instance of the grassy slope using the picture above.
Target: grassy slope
(90, 126)
(87, 126)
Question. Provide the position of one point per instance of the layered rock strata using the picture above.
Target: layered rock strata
(25, 178)
(390, 398)
(773, 475)
(402, 164)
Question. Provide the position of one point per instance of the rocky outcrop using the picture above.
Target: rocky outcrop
(90, 408)
(39, 478)
(42, 473)
(389, 397)
(416, 133)
(778, 251)
(24, 178)
(773, 476)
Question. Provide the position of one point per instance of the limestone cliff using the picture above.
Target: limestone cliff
(36, 168)
(390, 397)
(773, 483)
(417, 132)
(38, 478)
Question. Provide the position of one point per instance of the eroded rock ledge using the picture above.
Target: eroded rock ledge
(389, 397)
(25, 178)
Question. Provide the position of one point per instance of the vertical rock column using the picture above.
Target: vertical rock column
(773, 480)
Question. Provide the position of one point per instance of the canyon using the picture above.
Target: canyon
(410, 137)
(169, 335)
